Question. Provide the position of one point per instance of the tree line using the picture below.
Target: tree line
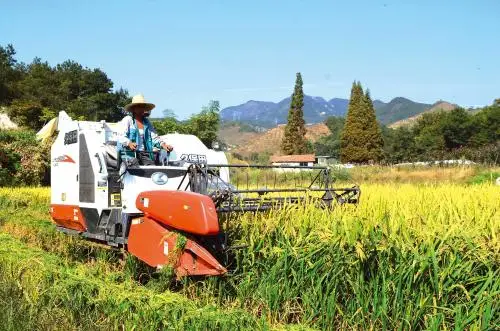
(438, 135)
(454, 134)
(360, 138)
(33, 93)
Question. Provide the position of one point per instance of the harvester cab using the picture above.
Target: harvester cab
(168, 213)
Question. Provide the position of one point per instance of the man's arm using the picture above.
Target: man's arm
(123, 127)
(158, 141)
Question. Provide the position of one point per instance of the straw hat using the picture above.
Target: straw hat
(138, 99)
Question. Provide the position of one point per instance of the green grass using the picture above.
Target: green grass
(485, 177)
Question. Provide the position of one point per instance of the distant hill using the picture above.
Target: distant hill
(378, 104)
(397, 109)
(440, 105)
(270, 114)
(233, 135)
(268, 141)
(317, 109)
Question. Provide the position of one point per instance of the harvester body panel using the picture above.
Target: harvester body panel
(65, 168)
(185, 211)
(68, 216)
(158, 246)
(148, 178)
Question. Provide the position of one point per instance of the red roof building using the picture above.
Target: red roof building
(303, 158)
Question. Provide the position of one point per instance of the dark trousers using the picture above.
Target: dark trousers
(144, 159)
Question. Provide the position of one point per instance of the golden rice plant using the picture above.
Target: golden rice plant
(407, 257)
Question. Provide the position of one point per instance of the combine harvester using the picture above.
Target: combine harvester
(166, 214)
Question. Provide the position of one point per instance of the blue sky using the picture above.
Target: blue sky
(181, 54)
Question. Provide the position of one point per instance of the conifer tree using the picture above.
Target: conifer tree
(361, 139)
(349, 149)
(294, 141)
(373, 133)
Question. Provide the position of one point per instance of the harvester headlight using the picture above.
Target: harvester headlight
(159, 178)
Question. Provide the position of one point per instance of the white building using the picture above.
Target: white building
(293, 160)
(324, 160)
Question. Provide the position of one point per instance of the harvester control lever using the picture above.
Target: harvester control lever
(166, 159)
(100, 162)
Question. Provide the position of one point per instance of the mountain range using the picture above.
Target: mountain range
(317, 109)
(438, 106)
(269, 114)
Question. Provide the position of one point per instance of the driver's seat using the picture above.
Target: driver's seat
(111, 156)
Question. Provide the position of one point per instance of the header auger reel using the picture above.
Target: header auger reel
(276, 192)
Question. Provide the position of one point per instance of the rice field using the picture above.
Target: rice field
(408, 257)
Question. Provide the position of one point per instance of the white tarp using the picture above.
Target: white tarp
(6, 123)
(52, 126)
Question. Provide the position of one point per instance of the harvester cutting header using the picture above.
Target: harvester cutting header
(166, 212)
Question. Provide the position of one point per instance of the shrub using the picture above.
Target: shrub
(23, 160)
(484, 177)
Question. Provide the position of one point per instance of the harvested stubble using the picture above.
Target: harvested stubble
(408, 257)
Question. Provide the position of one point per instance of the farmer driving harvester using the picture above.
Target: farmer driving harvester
(137, 135)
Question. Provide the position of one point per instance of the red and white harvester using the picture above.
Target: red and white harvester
(166, 214)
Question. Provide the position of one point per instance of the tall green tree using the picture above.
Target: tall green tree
(400, 145)
(9, 74)
(351, 149)
(169, 123)
(486, 125)
(167, 112)
(429, 140)
(205, 124)
(373, 132)
(294, 139)
(456, 128)
(330, 145)
(361, 139)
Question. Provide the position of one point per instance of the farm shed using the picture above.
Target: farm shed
(324, 160)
